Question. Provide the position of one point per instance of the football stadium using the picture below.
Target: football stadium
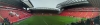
(68, 12)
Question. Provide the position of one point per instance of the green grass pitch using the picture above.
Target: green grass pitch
(48, 20)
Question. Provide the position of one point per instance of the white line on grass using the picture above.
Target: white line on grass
(45, 21)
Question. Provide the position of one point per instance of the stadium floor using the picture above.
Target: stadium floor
(48, 20)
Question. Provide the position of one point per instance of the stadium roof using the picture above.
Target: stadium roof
(27, 3)
(71, 2)
(45, 8)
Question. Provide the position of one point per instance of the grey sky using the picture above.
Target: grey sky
(46, 3)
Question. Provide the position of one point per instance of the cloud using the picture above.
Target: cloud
(46, 3)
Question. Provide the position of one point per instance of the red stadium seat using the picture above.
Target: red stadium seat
(83, 12)
(22, 15)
